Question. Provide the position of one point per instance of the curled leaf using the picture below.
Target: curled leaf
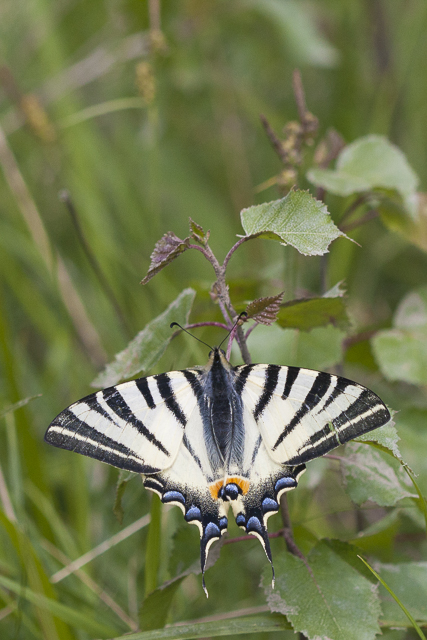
(197, 233)
(265, 310)
(165, 251)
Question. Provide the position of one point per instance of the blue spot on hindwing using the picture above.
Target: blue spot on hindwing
(223, 523)
(173, 496)
(193, 513)
(240, 520)
(232, 491)
(212, 531)
(268, 504)
(286, 482)
(254, 524)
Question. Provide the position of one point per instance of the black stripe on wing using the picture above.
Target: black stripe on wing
(119, 406)
(69, 432)
(242, 374)
(318, 389)
(366, 413)
(291, 376)
(165, 389)
(270, 384)
(144, 389)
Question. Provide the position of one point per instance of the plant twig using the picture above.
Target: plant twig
(274, 139)
(299, 95)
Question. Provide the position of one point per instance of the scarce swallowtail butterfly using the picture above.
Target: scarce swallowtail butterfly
(218, 436)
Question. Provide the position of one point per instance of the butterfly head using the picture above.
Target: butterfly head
(217, 359)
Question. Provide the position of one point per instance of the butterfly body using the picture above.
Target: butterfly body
(218, 436)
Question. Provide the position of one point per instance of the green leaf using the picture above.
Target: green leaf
(337, 291)
(197, 233)
(370, 474)
(369, 163)
(401, 352)
(326, 602)
(165, 251)
(264, 310)
(123, 479)
(148, 346)
(69, 615)
(385, 436)
(155, 608)
(405, 582)
(319, 348)
(215, 629)
(297, 219)
(339, 183)
(413, 229)
(313, 312)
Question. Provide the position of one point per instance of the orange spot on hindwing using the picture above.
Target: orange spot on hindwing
(242, 483)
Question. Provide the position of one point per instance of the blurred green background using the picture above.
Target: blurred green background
(148, 113)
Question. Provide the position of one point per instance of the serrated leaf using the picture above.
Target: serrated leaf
(148, 346)
(401, 352)
(165, 251)
(385, 436)
(326, 605)
(408, 581)
(197, 233)
(369, 474)
(313, 312)
(297, 219)
(369, 163)
(264, 310)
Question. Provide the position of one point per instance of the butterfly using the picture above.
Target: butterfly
(207, 438)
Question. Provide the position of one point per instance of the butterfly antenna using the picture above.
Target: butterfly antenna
(240, 316)
(175, 324)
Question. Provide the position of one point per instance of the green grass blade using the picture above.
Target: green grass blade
(152, 553)
(422, 501)
(216, 629)
(393, 595)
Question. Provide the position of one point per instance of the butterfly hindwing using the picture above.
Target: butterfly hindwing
(302, 414)
(137, 425)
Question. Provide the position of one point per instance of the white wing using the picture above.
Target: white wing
(137, 425)
(302, 414)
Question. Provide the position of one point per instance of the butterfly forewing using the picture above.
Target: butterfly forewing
(302, 414)
(138, 425)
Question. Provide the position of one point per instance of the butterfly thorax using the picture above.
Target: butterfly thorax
(223, 410)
